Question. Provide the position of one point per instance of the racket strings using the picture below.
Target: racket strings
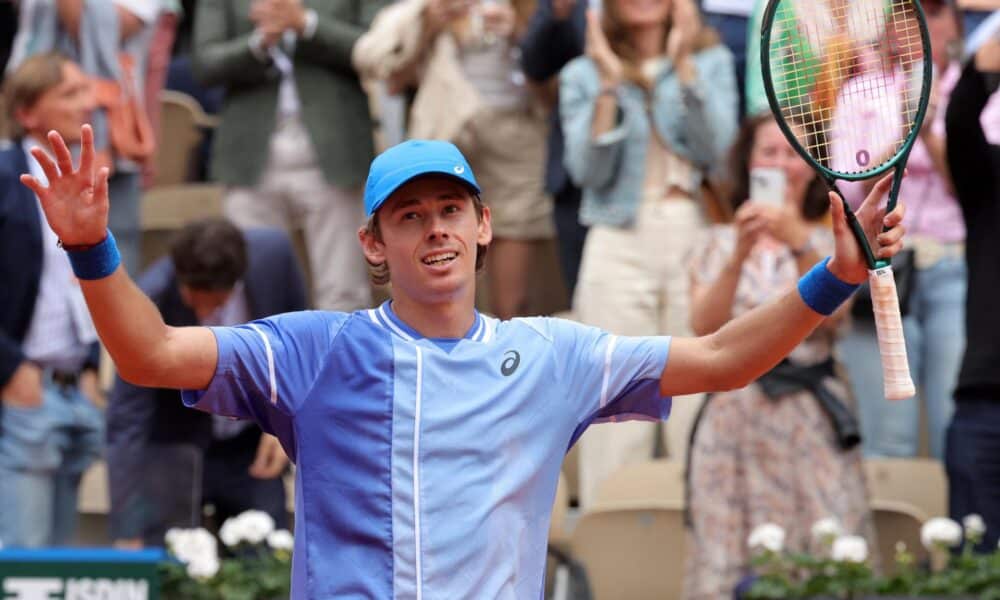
(850, 76)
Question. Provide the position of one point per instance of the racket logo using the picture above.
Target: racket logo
(510, 364)
(863, 158)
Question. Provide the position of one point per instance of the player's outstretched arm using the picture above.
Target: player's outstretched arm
(747, 347)
(145, 350)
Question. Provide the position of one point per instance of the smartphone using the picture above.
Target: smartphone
(767, 186)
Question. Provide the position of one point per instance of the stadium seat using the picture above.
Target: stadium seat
(896, 522)
(634, 553)
(653, 483)
(919, 482)
(182, 124)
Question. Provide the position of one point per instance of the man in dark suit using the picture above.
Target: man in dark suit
(555, 36)
(165, 461)
(295, 137)
(50, 426)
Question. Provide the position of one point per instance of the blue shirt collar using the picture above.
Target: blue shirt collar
(478, 332)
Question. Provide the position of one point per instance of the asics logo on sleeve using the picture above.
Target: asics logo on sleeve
(509, 365)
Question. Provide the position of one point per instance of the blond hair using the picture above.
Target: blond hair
(29, 82)
(683, 13)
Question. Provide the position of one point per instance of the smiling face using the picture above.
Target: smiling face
(427, 234)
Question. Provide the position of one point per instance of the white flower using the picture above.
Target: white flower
(204, 567)
(257, 525)
(229, 533)
(197, 549)
(173, 535)
(850, 548)
(767, 536)
(974, 525)
(940, 532)
(280, 540)
(825, 531)
(252, 526)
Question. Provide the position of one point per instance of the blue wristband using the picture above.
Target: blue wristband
(822, 291)
(96, 262)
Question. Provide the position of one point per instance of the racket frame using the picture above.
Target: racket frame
(897, 161)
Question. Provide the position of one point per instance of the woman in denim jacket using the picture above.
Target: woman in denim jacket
(649, 109)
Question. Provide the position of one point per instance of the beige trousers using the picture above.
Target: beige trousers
(293, 194)
(635, 282)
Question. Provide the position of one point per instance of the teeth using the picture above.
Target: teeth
(438, 259)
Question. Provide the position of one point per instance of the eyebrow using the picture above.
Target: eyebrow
(448, 196)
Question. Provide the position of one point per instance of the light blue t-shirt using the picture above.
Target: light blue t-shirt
(427, 468)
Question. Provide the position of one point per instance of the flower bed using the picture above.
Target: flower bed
(842, 571)
(257, 565)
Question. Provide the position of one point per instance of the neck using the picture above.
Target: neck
(649, 41)
(36, 137)
(449, 318)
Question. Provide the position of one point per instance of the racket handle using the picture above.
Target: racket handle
(889, 327)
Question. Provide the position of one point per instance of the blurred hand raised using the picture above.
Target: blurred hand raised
(609, 66)
(75, 203)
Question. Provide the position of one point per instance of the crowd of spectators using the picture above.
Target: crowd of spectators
(625, 134)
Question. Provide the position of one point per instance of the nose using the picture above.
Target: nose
(436, 229)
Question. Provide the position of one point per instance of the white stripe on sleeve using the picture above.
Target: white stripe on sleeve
(270, 364)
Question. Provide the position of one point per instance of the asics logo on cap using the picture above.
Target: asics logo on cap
(459, 169)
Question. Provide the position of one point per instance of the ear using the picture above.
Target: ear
(484, 233)
(373, 249)
(26, 118)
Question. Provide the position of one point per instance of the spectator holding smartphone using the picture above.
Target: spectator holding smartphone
(783, 449)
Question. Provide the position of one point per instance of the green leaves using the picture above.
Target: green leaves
(792, 576)
(262, 575)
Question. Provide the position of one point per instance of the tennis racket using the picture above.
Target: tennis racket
(848, 82)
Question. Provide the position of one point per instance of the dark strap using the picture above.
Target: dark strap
(788, 378)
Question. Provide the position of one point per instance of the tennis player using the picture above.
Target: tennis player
(428, 437)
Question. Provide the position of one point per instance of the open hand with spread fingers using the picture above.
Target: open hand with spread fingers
(75, 202)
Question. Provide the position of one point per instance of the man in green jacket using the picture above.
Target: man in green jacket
(295, 140)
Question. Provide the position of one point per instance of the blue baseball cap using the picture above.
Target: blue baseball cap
(411, 159)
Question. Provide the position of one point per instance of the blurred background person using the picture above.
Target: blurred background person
(933, 325)
(50, 424)
(972, 455)
(555, 36)
(165, 461)
(462, 56)
(784, 449)
(731, 18)
(295, 137)
(116, 64)
(158, 65)
(646, 113)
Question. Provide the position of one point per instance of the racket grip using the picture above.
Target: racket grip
(889, 327)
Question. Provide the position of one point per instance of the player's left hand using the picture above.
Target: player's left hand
(271, 459)
(848, 262)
